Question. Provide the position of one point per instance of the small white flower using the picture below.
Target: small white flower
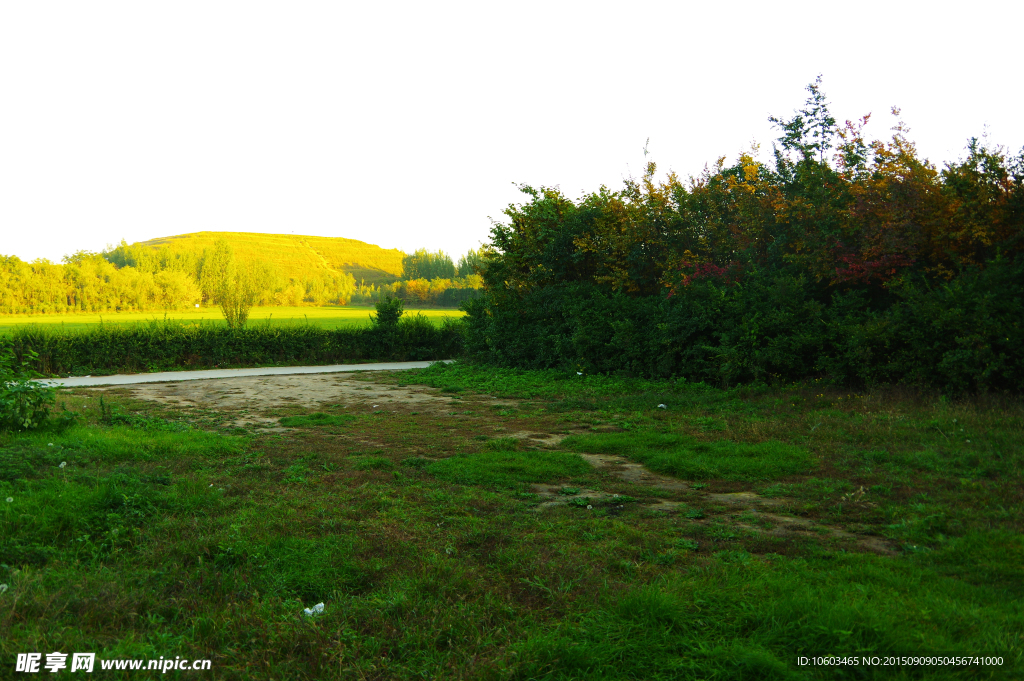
(589, 507)
(62, 464)
(10, 499)
(315, 610)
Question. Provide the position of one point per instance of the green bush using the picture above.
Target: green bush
(863, 265)
(964, 335)
(24, 402)
(167, 345)
(389, 311)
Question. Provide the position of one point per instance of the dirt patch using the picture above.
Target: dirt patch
(786, 526)
(249, 398)
(750, 504)
(554, 495)
(630, 471)
(534, 439)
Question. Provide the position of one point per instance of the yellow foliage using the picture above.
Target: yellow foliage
(295, 256)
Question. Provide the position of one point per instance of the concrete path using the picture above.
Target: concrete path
(164, 376)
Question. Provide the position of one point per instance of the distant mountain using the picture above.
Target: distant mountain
(298, 256)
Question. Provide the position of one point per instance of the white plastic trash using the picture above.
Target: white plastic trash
(315, 610)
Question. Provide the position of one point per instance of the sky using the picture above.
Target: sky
(410, 124)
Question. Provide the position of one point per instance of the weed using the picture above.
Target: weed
(504, 444)
(369, 463)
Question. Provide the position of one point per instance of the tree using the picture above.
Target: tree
(812, 128)
(389, 311)
(235, 287)
(471, 263)
(426, 265)
(218, 265)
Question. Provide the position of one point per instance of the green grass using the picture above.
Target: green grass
(317, 419)
(691, 459)
(373, 463)
(689, 626)
(328, 317)
(165, 535)
(508, 468)
(575, 392)
(86, 492)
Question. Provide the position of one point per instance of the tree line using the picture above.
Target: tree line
(139, 279)
(841, 256)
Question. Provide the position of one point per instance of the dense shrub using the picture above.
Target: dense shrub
(167, 345)
(963, 335)
(846, 259)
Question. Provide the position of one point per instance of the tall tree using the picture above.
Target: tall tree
(424, 264)
(811, 129)
(471, 263)
(234, 286)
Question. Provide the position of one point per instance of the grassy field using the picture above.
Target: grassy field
(329, 317)
(500, 525)
(296, 255)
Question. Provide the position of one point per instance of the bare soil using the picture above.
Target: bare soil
(251, 398)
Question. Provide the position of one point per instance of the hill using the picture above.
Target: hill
(296, 255)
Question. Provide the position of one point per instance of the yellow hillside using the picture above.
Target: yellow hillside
(298, 256)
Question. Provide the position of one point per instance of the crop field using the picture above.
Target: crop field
(463, 522)
(328, 317)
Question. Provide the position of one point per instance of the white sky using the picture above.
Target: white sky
(405, 124)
